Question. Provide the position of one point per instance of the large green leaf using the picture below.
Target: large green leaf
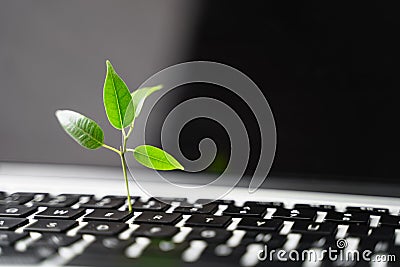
(155, 158)
(140, 95)
(117, 99)
(82, 129)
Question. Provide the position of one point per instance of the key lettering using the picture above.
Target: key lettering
(61, 212)
(51, 225)
(102, 227)
(208, 234)
(260, 223)
(155, 230)
(157, 217)
(12, 210)
(209, 220)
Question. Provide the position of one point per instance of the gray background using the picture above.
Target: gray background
(52, 56)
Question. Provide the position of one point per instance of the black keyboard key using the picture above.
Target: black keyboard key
(260, 224)
(56, 240)
(107, 202)
(295, 214)
(9, 256)
(156, 231)
(383, 232)
(170, 200)
(246, 211)
(305, 227)
(273, 240)
(42, 252)
(60, 201)
(370, 210)
(103, 228)
(209, 235)
(390, 220)
(16, 211)
(276, 241)
(19, 198)
(164, 251)
(315, 207)
(208, 220)
(9, 238)
(60, 213)
(108, 245)
(221, 255)
(316, 241)
(108, 215)
(102, 260)
(198, 208)
(55, 226)
(12, 223)
(358, 230)
(151, 205)
(367, 243)
(158, 217)
(264, 204)
(217, 201)
(348, 217)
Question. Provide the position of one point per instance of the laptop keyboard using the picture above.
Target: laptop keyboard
(82, 230)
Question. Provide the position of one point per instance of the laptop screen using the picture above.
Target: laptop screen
(327, 72)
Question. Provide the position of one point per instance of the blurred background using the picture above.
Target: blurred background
(329, 73)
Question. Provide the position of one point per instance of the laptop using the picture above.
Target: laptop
(330, 195)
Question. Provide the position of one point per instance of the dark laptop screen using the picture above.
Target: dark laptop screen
(329, 73)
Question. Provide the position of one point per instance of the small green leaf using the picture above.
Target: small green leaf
(140, 95)
(82, 129)
(155, 158)
(117, 99)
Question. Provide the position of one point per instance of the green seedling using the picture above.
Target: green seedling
(122, 108)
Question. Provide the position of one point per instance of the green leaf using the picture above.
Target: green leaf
(140, 95)
(82, 129)
(117, 99)
(155, 158)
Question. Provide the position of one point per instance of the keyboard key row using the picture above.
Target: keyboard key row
(110, 202)
(40, 199)
(247, 223)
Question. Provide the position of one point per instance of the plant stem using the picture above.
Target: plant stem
(123, 162)
(121, 154)
(111, 148)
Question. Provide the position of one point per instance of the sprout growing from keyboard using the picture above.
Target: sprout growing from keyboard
(122, 107)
